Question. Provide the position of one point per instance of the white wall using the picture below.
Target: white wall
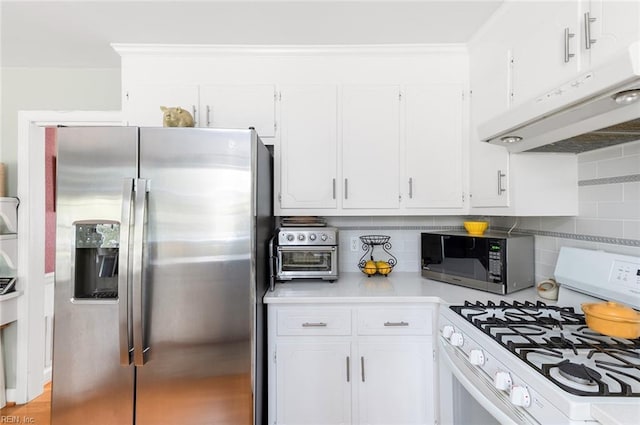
(50, 89)
(46, 89)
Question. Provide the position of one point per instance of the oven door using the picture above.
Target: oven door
(467, 395)
(307, 262)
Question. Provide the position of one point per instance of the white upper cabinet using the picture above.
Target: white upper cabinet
(239, 106)
(433, 155)
(609, 26)
(307, 152)
(141, 103)
(549, 44)
(489, 185)
(546, 47)
(220, 106)
(370, 146)
(375, 130)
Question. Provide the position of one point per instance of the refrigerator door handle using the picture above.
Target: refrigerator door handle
(139, 219)
(124, 307)
(272, 265)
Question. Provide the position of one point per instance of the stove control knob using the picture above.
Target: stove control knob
(520, 396)
(290, 237)
(323, 237)
(502, 381)
(312, 237)
(301, 237)
(476, 357)
(447, 331)
(456, 339)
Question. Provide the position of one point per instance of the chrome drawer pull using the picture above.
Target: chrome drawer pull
(314, 325)
(396, 323)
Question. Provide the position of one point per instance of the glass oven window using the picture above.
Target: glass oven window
(298, 261)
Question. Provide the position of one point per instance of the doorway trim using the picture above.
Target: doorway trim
(30, 344)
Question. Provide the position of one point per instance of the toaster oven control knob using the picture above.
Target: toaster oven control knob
(456, 339)
(301, 237)
(476, 357)
(502, 381)
(312, 237)
(520, 396)
(290, 237)
(447, 331)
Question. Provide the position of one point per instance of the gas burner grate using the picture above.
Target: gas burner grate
(556, 342)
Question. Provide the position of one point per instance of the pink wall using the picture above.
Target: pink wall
(50, 208)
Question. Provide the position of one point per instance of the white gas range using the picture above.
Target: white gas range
(538, 362)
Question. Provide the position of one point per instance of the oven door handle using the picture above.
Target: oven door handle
(299, 248)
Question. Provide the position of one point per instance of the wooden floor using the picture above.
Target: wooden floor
(37, 412)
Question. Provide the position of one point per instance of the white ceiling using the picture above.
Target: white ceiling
(78, 33)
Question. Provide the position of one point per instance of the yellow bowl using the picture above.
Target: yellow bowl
(476, 227)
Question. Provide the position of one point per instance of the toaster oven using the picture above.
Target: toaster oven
(305, 253)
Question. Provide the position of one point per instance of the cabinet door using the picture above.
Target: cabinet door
(370, 146)
(395, 381)
(308, 146)
(313, 383)
(539, 47)
(489, 173)
(615, 25)
(239, 106)
(141, 104)
(433, 153)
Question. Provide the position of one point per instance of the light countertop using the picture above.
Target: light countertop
(400, 287)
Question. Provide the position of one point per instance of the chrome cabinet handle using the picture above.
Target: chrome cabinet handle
(195, 119)
(333, 188)
(362, 368)
(567, 36)
(410, 188)
(124, 307)
(314, 325)
(346, 188)
(501, 189)
(138, 303)
(208, 116)
(348, 370)
(588, 41)
(395, 324)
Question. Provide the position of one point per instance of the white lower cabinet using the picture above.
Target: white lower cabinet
(355, 364)
(313, 385)
(395, 381)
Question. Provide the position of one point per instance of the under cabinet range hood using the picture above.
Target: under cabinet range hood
(600, 108)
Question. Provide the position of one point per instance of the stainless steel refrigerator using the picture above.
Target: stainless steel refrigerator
(161, 266)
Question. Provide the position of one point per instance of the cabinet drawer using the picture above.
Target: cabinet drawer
(314, 321)
(395, 321)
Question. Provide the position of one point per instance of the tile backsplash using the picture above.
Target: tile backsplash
(608, 220)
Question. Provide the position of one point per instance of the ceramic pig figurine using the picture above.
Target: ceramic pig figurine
(176, 117)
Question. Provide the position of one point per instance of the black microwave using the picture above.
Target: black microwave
(495, 262)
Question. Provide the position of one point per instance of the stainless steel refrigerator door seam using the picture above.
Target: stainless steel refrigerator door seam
(124, 307)
(139, 350)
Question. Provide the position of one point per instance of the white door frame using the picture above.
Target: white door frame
(30, 361)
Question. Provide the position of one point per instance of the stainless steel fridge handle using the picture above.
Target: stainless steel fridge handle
(272, 260)
(139, 218)
(124, 307)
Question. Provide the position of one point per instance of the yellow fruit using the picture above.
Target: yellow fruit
(383, 267)
(369, 268)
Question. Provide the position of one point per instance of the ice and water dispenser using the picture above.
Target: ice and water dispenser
(96, 261)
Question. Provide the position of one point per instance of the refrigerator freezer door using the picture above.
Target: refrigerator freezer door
(197, 277)
(90, 387)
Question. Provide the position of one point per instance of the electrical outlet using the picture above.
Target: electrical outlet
(354, 243)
